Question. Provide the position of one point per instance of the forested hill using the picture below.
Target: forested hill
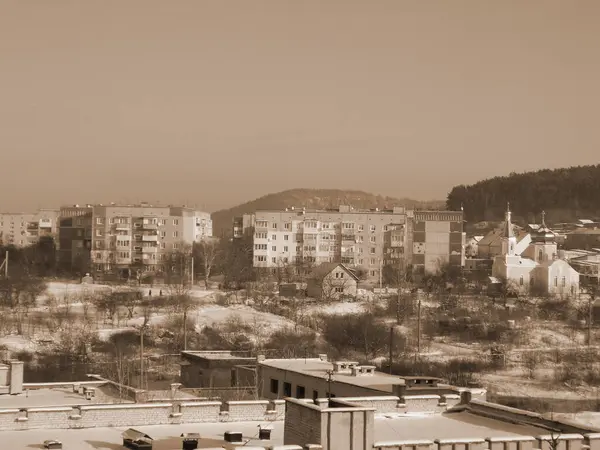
(565, 194)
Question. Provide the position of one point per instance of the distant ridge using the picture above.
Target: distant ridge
(314, 199)
(565, 194)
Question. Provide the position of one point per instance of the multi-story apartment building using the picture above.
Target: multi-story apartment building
(140, 236)
(22, 229)
(356, 238)
(75, 238)
(437, 239)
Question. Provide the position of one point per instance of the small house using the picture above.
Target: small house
(330, 281)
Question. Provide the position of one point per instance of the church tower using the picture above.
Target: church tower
(509, 241)
(543, 246)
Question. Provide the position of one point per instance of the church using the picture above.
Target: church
(535, 268)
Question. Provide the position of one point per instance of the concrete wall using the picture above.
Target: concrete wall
(121, 415)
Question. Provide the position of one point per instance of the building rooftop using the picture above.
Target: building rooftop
(452, 425)
(166, 437)
(59, 396)
(317, 367)
(388, 427)
(216, 355)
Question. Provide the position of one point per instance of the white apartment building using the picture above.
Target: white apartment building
(142, 235)
(352, 237)
(367, 239)
(22, 229)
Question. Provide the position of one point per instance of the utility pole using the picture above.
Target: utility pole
(391, 348)
(418, 328)
(5, 265)
(329, 378)
(142, 357)
(192, 271)
(591, 299)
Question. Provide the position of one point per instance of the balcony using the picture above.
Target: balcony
(123, 227)
(149, 226)
(150, 249)
(150, 238)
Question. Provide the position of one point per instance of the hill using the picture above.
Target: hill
(565, 194)
(314, 199)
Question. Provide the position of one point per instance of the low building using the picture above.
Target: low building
(318, 377)
(11, 377)
(211, 369)
(331, 281)
(583, 238)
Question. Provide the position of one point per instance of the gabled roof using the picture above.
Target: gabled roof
(324, 269)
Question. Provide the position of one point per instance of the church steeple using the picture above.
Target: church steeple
(508, 228)
(509, 241)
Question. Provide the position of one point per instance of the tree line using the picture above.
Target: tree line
(565, 194)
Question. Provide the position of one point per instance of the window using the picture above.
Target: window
(310, 224)
(163, 222)
(98, 232)
(260, 236)
(521, 281)
(325, 226)
(163, 245)
(273, 237)
(361, 261)
(287, 226)
(175, 234)
(298, 249)
(274, 248)
(274, 386)
(261, 258)
(372, 239)
(349, 226)
(360, 250)
(315, 395)
(260, 246)
(339, 289)
(287, 389)
(286, 237)
(361, 227)
(300, 392)
(372, 228)
(261, 224)
(372, 261)
(175, 221)
(555, 281)
(360, 239)
(372, 250)
(163, 234)
(285, 248)
(540, 255)
(99, 220)
(98, 255)
(372, 273)
(274, 260)
(112, 220)
(176, 246)
(564, 281)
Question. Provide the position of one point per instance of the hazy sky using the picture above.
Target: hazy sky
(216, 102)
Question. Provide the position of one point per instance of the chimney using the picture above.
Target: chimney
(16, 376)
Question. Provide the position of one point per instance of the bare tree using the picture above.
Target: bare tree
(208, 251)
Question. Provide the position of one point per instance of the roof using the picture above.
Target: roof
(216, 355)
(317, 368)
(59, 396)
(324, 269)
(388, 427)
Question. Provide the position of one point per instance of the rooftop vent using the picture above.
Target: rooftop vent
(344, 366)
(358, 371)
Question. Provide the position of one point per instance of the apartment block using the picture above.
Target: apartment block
(366, 239)
(75, 238)
(142, 235)
(352, 237)
(22, 229)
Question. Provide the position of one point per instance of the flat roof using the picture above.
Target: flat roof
(216, 355)
(318, 368)
(388, 427)
(39, 398)
(451, 425)
(166, 437)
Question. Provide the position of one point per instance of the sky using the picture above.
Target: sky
(214, 103)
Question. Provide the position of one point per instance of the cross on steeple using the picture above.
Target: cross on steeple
(544, 219)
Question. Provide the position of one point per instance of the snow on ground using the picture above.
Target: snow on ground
(337, 308)
(17, 344)
(211, 314)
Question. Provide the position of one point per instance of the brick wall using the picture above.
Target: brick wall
(302, 424)
(128, 414)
